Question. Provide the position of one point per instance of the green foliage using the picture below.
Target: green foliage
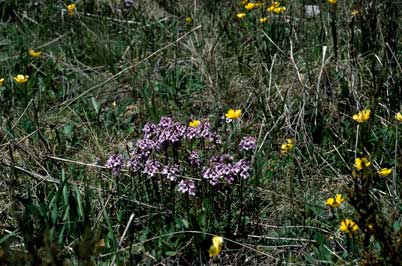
(109, 69)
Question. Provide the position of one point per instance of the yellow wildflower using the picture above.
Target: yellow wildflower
(362, 116)
(188, 20)
(384, 172)
(332, 1)
(250, 6)
(233, 114)
(263, 20)
(216, 246)
(273, 6)
(194, 123)
(21, 78)
(71, 9)
(361, 163)
(243, 2)
(335, 202)
(398, 117)
(1, 81)
(34, 53)
(279, 10)
(348, 226)
(355, 12)
(240, 15)
(288, 146)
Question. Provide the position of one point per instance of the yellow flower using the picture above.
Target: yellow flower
(21, 78)
(250, 6)
(233, 114)
(288, 146)
(332, 1)
(335, 202)
(355, 12)
(384, 172)
(240, 15)
(243, 2)
(398, 117)
(188, 20)
(362, 116)
(1, 81)
(263, 20)
(194, 123)
(216, 246)
(273, 6)
(34, 53)
(361, 163)
(348, 226)
(279, 10)
(71, 9)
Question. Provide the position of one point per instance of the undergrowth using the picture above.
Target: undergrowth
(200, 132)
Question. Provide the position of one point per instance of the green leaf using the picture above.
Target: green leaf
(95, 105)
(171, 253)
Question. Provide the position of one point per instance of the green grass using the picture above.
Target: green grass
(107, 71)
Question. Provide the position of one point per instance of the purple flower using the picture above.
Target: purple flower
(115, 163)
(151, 167)
(211, 175)
(187, 187)
(145, 146)
(193, 132)
(171, 171)
(223, 168)
(194, 158)
(134, 163)
(206, 126)
(243, 167)
(150, 130)
(247, 144)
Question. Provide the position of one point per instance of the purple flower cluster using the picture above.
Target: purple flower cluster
(247, 144)
(171, 171)
(115, 163)
(167, 140)
(134, 163)
(187, 187)
(151, 167)
(224, 168)
(194, 158)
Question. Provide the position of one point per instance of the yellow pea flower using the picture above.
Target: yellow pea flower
(250, 6)
(216, 246)
(272, 7)
(355, 12)
(398, 117)
(194, 123)
(233, 114)
(288, 146)
(188, 20)
(362, 116)
(1, 81)
(279, 10)
(332, 1)
(263, 20)
(361, 163)
(348, 226)
(34, 53)
(384, 172)
(71, 9)
(335, 202)
(21, 78)
(240, 15)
